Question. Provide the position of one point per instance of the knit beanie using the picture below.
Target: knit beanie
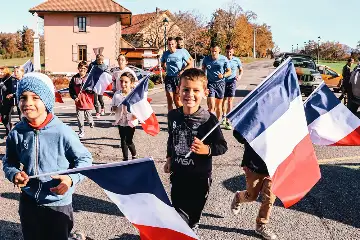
(41, 85)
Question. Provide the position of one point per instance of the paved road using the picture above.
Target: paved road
(330, 211)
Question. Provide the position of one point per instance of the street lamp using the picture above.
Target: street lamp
(166, 22)
(318, 52)
(305, 47)
(297, 48)
(292, 48)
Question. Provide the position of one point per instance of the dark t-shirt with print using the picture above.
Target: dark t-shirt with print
(182, 130)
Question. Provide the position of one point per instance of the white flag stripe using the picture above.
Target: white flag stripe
(104, 81)
(340, 120)
(142, 109)
(288, 131)
(154, 212)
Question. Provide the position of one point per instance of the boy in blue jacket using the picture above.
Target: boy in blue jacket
(41, 143)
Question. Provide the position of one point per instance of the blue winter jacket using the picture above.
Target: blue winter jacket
(53, 148)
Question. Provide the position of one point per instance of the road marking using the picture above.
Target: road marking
(241, 87)
(324, 161)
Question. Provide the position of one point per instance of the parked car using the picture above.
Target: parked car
(308, 76)
(331, 78)
(156, 70)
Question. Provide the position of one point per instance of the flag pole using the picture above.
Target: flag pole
(246, 97)
(315, 90)
(99, 166)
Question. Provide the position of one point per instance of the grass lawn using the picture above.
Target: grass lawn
(18, 61)
(337, 66)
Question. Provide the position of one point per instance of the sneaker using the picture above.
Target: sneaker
(81, 135)
(223, 122)
(266, 233)
(92, 125)
(102, 112)
(235, 204)
(134, 157)
(195, 228)
(97, 115)
(228, 126)
(77, 236)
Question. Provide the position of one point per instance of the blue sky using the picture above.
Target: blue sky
(291, 22)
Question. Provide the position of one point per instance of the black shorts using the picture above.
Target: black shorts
(230, 89)
(216, 89)
(171, 83)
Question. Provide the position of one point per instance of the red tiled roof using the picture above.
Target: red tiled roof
(139, 21)
(106, 6)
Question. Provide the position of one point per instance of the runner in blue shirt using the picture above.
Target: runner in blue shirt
(217, 68)
(181, 46)
(230, 83)
(172, 61)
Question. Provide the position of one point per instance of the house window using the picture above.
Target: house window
(82, 24)
(82, 53)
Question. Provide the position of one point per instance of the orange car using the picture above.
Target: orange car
(331, 78)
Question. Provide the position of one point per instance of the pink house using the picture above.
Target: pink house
(74, 29)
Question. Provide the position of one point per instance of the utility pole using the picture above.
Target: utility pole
(254, 53)
(37, 65)
(318, 52)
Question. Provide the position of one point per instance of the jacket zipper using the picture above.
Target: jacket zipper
(37, 162)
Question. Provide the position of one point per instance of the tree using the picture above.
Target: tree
(27, 40)
(194, 30)
(222, 24)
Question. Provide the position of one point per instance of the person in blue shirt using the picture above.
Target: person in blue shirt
(217, 68)
(230, 83)
(172, 61)
(181, 46)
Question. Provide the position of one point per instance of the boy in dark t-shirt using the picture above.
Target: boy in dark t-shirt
(191, 177)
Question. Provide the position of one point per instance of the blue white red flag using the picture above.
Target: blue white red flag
(98, 80)
(272, 120)
(329, 121)
(137, 103)
(135, 187)
(28, 66)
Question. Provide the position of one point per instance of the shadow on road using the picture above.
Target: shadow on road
(127, 236)
(249, 233)
(82, 203)
(10, 230)
(241, 93)
(336, 196)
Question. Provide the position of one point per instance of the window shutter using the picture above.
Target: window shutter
(88, 24)
(74, 53)
(76, 26)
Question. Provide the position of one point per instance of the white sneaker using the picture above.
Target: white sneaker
(81, 135)
(266, 233)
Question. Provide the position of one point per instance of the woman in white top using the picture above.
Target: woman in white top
(118, 71)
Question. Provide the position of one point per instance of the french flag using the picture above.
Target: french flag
(98, 80)
(272, 120)
(135, 187)
(329, 121)
(137, 103)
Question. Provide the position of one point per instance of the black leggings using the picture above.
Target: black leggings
(98, 99)
(126, 140)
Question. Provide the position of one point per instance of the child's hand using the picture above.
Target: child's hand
(199, 147)
(167, 165)
(21, 179)
(64, 185)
